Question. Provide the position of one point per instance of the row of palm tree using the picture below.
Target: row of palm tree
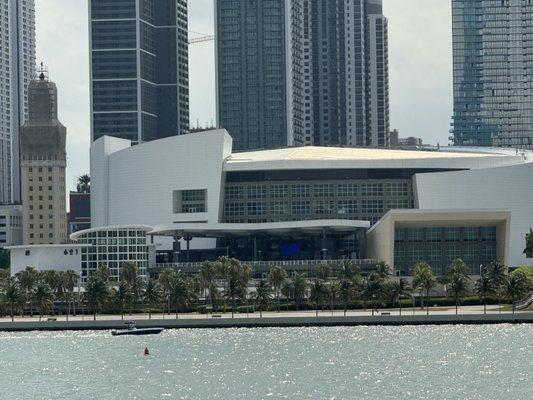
(495, 281)
(227, 281)
(33, 289)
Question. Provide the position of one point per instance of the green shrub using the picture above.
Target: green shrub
(201, 310)
(245, 309)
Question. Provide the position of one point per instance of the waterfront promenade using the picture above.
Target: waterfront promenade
(467, 315)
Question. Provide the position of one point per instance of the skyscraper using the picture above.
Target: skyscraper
(324, 83)
(43, 163)
(17, 68)
(139, 68)
(346, 47)
(492, 66)
(259, 72)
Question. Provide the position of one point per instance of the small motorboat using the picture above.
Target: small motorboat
(131, 329)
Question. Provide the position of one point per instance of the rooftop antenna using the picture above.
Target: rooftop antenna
(43, 72)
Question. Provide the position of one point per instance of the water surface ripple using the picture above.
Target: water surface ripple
(410, 362)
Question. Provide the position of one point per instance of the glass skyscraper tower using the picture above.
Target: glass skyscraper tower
(139, 68)
(259, 72)
(346, 54)
(493, 73)
(302, 72)
(17, 69)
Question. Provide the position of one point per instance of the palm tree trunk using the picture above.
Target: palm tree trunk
(427, 302)
(277, 298)
(149, 313)
(485, 307)
(176, 312)
(12, 313)
(456, 306)
(400, 304)
(40, 315)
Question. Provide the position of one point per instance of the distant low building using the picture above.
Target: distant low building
(10, 225)
(396, 141)
(45, 257)
(80, 212)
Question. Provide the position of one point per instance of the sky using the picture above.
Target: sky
(420, 63)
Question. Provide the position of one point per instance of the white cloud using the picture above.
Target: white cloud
(420, 68)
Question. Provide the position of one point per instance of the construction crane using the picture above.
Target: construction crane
(201, 39)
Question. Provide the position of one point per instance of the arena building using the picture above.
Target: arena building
(306, 204)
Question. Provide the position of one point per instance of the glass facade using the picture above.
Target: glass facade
(139, 67)
(440, 246)
(293, 200)
(259, 72)
(17, 69)
(293, 72)
(345, 49)
(112, 248)
(492, 64)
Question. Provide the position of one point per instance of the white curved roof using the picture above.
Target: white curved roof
(244, 229)
(76, 235)
(342, 157)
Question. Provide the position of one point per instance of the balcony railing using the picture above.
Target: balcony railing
(262, 267)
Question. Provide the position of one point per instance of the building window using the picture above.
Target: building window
(234, 209)
(433, 234)
(397, 189)
(300, 190)
(257, 208)
(372, 206)
(453, 234)
(301, 207)
(323, 190)
(372, 189)
(234, 192)
(347, 207)
(347, 190)
(279, 208)
(190, 201)
(279, 191)
(324, 207)
(257, 192)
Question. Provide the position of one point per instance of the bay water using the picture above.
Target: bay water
(407, 362)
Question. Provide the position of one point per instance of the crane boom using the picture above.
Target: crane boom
(202, 39)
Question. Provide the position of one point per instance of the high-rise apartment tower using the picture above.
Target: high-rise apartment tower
(492, 67)
(302, 72)
(259, 72)
(139, 68)
(17, 68)
(43, 163)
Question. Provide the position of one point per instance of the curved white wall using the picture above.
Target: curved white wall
(134, 185)
(508, 188)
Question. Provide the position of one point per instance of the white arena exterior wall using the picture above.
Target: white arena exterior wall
(505, 187)
(135, 184)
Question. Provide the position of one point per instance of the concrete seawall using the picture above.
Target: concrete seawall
(213, 323)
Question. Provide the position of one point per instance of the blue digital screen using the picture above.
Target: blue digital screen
(290, 249)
